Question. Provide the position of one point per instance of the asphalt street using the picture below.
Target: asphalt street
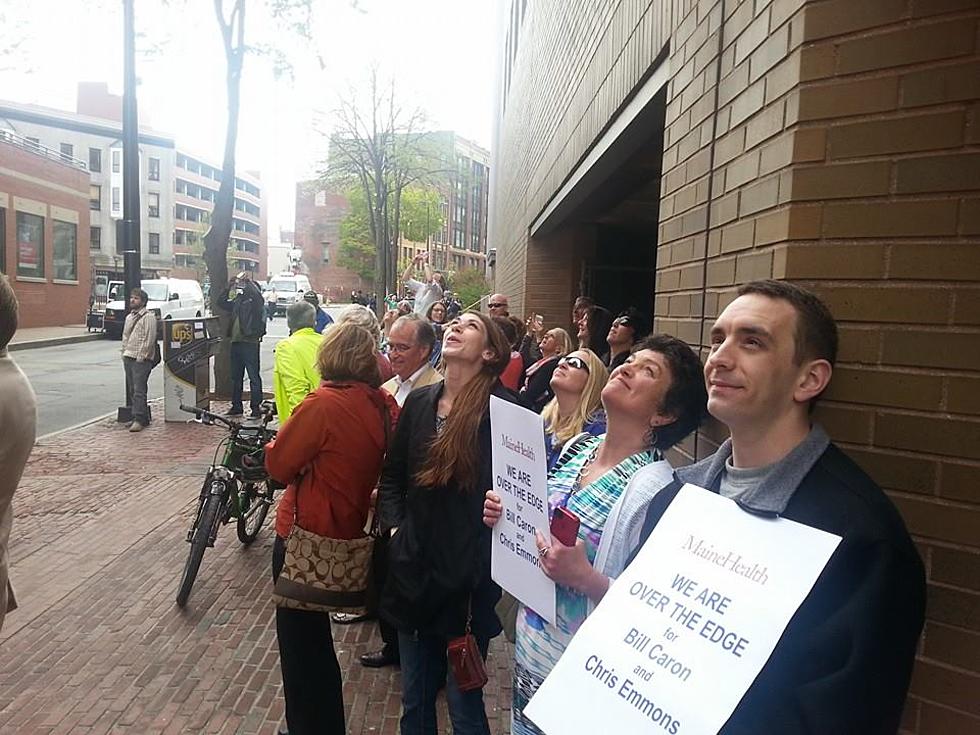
(76, 383)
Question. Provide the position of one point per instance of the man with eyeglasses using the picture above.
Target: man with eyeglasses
(626, 330)
(410, 344)
(498, 305)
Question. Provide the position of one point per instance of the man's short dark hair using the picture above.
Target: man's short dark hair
(8, 312)
(687, 398)
(425, 333)
(816, 330)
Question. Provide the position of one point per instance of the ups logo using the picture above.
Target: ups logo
(183, 333)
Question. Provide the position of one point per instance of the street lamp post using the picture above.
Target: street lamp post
(131, 160)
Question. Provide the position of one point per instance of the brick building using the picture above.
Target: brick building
(659, 153)
(316, 235)
(44, 232)
(93, 135)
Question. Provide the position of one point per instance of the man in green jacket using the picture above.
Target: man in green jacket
(295, 374)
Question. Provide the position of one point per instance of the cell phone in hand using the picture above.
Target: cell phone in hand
(564, 526)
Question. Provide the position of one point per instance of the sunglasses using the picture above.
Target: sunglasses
(575, 362)
(623, 321)
(496, 306)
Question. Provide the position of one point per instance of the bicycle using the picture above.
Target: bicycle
(236, 487)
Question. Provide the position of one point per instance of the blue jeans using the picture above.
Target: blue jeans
(424, 668)
(245, 357)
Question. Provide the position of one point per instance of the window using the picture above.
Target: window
(30, 245)
(326, 252)
(154, 244)
(67, 151)
(95, 238)
(33, 142)
(153, 204)
(320, 199)
(95, 197)
(154, 174)
(95, 159)
(116, 160)
(65, 251)
(116, 205)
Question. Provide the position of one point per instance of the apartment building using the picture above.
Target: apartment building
(196, 184)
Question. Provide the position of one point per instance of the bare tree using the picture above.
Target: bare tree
(383, 148)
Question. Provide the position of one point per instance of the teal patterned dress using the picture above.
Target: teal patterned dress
(539, 644)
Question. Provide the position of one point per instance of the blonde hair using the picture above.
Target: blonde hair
(362, 317)
(348, 353)
(563, 340)
(565, 427)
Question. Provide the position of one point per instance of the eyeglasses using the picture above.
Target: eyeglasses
(575, 362)
(497, 306)
(397, 347)
(622, 321)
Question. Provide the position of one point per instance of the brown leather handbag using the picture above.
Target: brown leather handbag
(466, 661)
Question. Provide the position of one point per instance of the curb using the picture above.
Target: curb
(80, 425)
(54, 341)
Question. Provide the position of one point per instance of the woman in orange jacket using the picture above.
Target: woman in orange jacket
(330, 452)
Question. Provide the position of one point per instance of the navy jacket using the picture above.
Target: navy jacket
(844, 662)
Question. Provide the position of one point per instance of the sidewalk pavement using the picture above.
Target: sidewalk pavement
(97, 644)
(50, 336)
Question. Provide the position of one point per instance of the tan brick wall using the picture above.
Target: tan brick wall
(831, 142)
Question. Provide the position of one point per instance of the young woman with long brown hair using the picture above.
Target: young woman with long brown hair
(431, 501)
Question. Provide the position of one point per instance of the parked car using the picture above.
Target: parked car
(170, 298)
(289, 289)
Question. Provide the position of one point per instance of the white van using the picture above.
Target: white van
(289, 288)
(170, 298)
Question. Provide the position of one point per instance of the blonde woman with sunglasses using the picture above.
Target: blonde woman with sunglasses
(577, 383)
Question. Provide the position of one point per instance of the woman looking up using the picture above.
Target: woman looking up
(431, 496)
(536, 391)
(577, 383)
(655, 399)
(436, 316)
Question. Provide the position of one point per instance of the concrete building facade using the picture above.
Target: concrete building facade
(44, 232)
(196, 184)
(659, 153)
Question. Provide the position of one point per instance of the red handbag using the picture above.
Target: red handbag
(466, 661)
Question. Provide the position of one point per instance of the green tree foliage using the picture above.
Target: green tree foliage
(421, 213)
(469, 285)
(357, 249)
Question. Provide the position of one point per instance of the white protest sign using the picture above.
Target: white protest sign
(682, 634)
(520, 478)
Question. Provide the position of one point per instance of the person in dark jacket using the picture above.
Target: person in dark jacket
(844, 663)
(536, 391)
(245, 302)
(627, 329)
(430, 499)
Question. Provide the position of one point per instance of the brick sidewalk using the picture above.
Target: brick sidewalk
(98, 646)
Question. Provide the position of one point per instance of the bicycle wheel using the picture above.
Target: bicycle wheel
(199, 542)
(254, 501)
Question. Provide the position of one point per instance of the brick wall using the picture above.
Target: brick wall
(831, 142)
(57, 191)
(314, 225)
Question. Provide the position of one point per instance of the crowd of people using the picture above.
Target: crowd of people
(385, 450)
(416, 448)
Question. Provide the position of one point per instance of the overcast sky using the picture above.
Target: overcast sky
(441, 52)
